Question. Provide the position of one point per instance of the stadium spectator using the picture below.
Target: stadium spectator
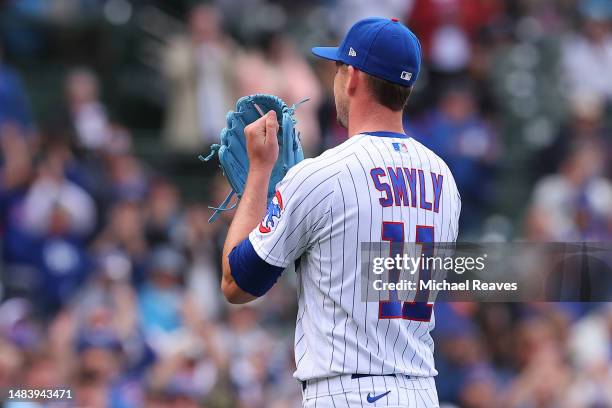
(279, 68)
(587, 55)
(163, 213)
(161, 297)
(51, 192)
(199, 68)
(576, 203)
(87, 116)
(14, 109)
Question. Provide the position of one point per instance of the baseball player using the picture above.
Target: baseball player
(379, 185)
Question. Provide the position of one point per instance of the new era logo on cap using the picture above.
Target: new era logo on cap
(352, 52)
(406, 76)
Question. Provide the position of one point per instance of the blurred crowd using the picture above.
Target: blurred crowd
(110, 270)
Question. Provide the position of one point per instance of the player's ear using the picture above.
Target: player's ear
(352, 79)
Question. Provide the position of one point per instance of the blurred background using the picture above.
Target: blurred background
(110, 272)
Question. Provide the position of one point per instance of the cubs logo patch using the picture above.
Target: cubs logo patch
(273, 213)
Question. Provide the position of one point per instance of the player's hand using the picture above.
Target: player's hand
(262, 143)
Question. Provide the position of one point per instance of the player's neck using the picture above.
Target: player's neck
(373, 118)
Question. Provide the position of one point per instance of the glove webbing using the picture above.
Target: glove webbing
(214, 149)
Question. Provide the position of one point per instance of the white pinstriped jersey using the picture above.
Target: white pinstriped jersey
(324, 208)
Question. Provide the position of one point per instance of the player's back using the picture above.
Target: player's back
(386, 188)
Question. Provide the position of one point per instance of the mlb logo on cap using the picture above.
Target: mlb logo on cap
(406, 76)
(381, 47)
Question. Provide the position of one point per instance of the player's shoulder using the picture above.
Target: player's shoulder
(315, 179)
(327, 165)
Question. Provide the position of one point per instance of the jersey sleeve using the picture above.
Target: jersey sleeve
(296, 215)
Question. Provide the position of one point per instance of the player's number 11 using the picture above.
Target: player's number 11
(419, 309)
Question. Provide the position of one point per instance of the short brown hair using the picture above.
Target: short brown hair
(388, 94)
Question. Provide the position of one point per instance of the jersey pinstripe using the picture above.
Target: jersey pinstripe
(329, 205)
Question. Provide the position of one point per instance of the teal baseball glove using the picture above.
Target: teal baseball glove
(232, 151)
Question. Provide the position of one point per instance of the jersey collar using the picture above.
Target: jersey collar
(383, 133)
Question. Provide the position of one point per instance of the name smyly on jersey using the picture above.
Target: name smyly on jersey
(395, 183)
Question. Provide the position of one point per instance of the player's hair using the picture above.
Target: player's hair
(388, 94)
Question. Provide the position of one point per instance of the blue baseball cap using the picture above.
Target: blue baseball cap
(381, 47)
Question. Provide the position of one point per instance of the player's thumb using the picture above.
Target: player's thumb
(271, 123)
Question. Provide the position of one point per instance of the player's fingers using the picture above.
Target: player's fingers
(257, 129)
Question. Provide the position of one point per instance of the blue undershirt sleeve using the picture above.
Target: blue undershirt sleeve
(251, 273)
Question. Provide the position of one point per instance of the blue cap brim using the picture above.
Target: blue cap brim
(330, 53)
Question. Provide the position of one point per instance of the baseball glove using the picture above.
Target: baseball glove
(232, 151)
